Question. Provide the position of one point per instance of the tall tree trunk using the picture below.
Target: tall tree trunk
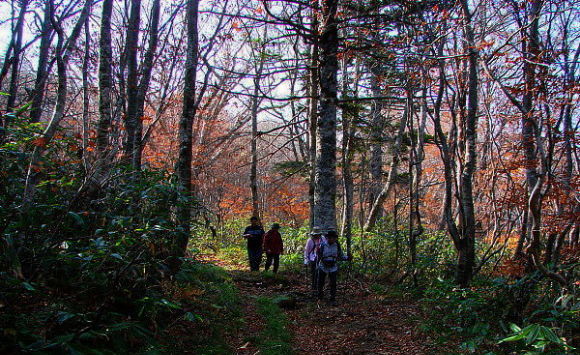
(531, 50)
(325, 179)
(348, 129)
(412, 199)
(377, 128)
(105, 81)
(17, 48)
(131, 50)
(146, 72)
(63, 52)
(393, 168)
(254, 146)
(6, 63)
(254, 150)
(183, 168)
(466, 245)
(137, 89)
(314, 92)
(42, 69)
(415, 173)
(86, 94)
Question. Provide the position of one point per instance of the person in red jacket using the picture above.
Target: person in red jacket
(273, 247)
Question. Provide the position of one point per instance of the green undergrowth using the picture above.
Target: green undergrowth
(212, 299)
(483, 319)
(475, 320)
(275, 339)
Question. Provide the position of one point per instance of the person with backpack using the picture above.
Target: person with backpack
(254, 234)
(273, 247)
(311, 255)
(329, 254)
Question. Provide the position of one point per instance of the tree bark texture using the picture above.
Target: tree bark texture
(313, 89)
(466, 246)
(377, 128)
(16, 50)
(348, 131)
(131, 51)
(325, 179)
(42, 69)
(393, 168)
(137, 87)
(531, 50)
(105, 81)
(63, 50)
(254, 144)
(183, 168)
(86, 94)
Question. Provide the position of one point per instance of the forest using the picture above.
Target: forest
(438, 139)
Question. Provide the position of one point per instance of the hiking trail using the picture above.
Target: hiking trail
(362, 323)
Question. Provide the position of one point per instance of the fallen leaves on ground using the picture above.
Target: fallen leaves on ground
(362, 323)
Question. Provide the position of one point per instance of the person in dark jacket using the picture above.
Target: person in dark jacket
(273, 247)
(254, 234)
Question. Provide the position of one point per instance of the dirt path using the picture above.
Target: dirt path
(362, 323)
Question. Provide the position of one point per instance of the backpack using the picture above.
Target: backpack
(328, 261)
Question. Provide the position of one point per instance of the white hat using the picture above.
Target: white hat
(316, 231)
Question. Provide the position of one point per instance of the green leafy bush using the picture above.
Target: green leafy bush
(84, 265)
(538, 339)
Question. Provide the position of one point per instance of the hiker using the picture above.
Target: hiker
(254, 234)
(311, 255)
(273, 247)
(329, 254)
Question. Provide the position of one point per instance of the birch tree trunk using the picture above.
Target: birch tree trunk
(325, 179)
(254, 113)
(105, 81)
(137, 88)
(416, 156)
(466, 244)
(313, 91)
(131, 50)
(393, 168)
(63, 50)
(146, 72)
(531, 50)
(348, 131)
(376, 158)
(16, 49)
(86, 94)
(42, 68)
(183, 168)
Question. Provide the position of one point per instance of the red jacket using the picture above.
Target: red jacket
(273, 242)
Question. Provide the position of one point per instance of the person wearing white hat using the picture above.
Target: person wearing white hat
(311, 255)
